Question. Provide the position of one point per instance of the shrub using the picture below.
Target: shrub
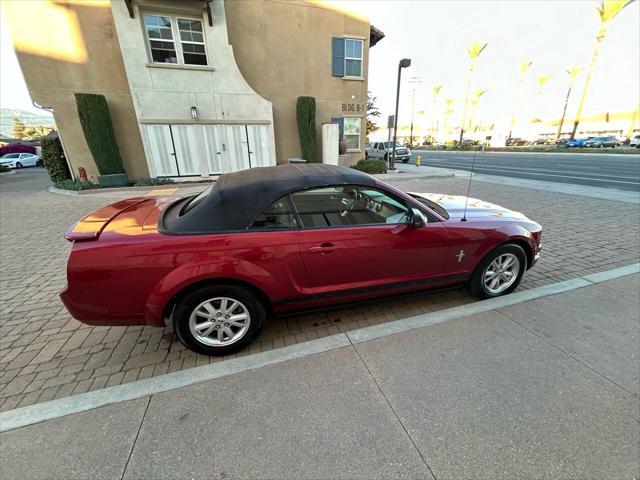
(75, 185)
(53, 159)
(148, 182)
(306, 119)
(4, 169)
(98, 131)
(371, 165)
(16, 148)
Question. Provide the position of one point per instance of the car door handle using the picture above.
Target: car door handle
(324, 248)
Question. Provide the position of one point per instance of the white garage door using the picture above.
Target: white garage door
(188, 150)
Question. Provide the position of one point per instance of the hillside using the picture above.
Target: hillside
(29, 118)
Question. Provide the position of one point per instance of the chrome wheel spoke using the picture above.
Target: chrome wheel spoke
(231, 307)
(202, 325)
(209, 308)
(208, 331)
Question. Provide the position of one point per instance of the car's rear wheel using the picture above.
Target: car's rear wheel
(18, 165)
(218, 319)
(499, 273)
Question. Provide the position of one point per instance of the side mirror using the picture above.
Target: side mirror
(418, 219)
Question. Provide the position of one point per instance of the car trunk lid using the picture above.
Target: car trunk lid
(132, 211)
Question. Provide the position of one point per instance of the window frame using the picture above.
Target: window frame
(359, 149)
(176, 40)
(392, 195)
(361, 59)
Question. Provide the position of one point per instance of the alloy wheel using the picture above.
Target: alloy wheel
(501, 273)
(219, 321)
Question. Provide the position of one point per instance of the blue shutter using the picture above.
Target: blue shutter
(337, 57)
(340, 122)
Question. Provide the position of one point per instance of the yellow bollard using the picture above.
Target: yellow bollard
(417, 160)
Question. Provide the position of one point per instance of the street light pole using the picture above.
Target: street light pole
(404, 63)
(413, 103)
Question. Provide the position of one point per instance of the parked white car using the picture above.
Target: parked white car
(635, 141)
(384, 150)
(19, 160)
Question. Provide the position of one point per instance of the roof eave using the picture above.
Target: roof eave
(375, 35)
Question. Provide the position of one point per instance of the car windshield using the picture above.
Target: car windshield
(196, 200)
(390, 144)
(11, 155)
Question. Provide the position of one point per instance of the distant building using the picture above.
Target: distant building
(196, 88)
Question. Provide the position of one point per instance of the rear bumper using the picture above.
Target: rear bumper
(84, 311)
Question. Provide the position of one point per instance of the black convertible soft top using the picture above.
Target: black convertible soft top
(236, 199)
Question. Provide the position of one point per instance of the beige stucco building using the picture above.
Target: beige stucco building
(196, 88)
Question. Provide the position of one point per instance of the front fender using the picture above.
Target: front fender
(518, 233)
(196, 271)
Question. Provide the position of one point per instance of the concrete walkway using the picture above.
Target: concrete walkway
(546, 388)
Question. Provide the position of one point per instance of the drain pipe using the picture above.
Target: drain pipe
(64, 150)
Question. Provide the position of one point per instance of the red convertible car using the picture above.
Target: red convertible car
(279, 239)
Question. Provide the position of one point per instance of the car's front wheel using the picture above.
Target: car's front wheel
(499, 273)
(18, 165)
(405, 160)
(218, 319)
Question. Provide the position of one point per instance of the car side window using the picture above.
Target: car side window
(279, 214)
(345, 205)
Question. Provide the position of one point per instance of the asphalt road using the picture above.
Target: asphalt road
(617, 171)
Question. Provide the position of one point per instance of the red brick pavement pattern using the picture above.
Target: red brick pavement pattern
(45, 354)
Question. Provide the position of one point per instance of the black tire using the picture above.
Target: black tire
(18, 165)
(186, 306)
(405, 160)
(476, 285)
(40, 163)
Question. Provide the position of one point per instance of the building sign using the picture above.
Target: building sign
(353, 107)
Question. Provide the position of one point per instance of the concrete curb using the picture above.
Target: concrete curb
(564, 188)
(134, 191)
(434, 172)
(41, 412)
(501, 152)
(10, 172)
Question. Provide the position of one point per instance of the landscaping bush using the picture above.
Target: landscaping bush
(4, 169)
(306, 119)
(17, 149)
(75, 185)
(98, 131)
(371, 165)
(148, 182)
(53, 159)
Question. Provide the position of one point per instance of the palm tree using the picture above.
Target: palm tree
(607, 10)
(524, 66)
(573, 74)
(474, 104)
(436, 91)
(542, 79)
(474, 51)
(447, 113)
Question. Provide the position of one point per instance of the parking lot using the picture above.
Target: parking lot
(45, 354)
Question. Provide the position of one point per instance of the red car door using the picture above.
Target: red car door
(358, 241)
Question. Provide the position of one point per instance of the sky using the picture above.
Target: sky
(554, 35)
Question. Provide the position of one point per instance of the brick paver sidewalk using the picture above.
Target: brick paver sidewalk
(45, 354)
